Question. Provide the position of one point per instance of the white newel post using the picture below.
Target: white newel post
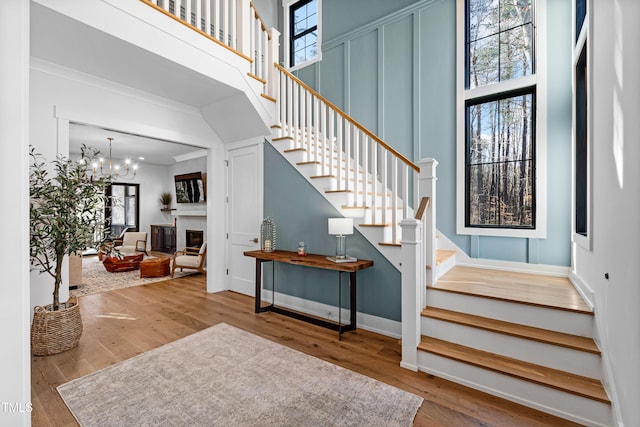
(412, 285)
(427, 188)
(273, 57)
(243, 27)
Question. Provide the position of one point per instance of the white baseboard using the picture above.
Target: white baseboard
(462, 259)
(583, 289)
(379, 325)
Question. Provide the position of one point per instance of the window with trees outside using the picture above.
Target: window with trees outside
(303, 31)
(499, 97)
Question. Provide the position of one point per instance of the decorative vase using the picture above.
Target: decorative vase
(53, 332)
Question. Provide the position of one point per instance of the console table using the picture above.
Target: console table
(314, 261)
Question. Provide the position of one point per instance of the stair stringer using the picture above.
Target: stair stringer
(374, 235)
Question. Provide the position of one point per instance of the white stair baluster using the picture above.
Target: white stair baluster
(394, 198)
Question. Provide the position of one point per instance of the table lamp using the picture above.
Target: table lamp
(340, 227)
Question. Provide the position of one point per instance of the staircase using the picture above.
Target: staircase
(525, 338)
(359, 174)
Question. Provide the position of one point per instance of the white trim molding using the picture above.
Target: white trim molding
(539, 79)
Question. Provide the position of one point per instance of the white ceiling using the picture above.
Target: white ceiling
(59, 39)
(154, 151)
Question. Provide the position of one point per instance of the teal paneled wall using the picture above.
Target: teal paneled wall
(300, 214)
(343, 16)
(363, 80)
(409, 100)
(397, 85)
(397, 77)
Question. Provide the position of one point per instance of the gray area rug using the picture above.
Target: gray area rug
(224, 376)
(96, 279)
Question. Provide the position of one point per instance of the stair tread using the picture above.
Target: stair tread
(554, 378)
(524, 288)
(389, 244)
(528, 332)
(443, 254)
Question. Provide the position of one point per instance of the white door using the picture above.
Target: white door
(244, 213)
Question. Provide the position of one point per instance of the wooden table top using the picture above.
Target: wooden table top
(310, 260)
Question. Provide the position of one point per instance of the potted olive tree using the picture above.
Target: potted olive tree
(66, 209)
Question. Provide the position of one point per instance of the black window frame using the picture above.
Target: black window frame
(115, 229)
(292, 36)
(581, 144)
(530, 90)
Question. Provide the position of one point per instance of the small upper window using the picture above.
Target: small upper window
(303, 32)
(499, 41)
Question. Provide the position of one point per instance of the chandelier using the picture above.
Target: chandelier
(113, 171)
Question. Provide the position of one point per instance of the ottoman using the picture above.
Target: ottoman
(154, 267)
(126, 263)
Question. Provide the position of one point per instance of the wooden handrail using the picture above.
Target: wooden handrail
(259, 18)
(349, 119)
(188, 25)
(424, 203)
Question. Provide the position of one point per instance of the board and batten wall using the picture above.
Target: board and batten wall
(395, 74)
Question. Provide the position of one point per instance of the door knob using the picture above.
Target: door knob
(255, 240)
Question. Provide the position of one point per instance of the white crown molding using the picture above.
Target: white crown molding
(190, 156)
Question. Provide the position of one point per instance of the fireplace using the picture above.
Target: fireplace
(195, 238)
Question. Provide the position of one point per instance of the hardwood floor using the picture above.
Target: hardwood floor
(123, 323)
(534, 289)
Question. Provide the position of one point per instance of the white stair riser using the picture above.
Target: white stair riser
(530, 315)
(444, 267)
(566, 405)
(552, 356)
(353, 199)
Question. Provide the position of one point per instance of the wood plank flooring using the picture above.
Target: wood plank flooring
(550, 291)
(123, 323)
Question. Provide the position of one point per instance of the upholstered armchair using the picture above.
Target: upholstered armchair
(192, 258)
(133, 242)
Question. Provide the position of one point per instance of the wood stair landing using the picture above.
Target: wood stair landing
(534, 289)
(575, 384)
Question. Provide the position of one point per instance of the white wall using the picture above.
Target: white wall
(14, 291)
(615, 67)
(60, 95)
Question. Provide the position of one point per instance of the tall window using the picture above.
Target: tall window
(303, 31)
(122, 211)
(581, 125)
(498, 97)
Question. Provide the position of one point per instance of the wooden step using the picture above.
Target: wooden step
(268, 98)
(524, 288)
(390, 244)
(570, 383)
(513, 329)
(442, 255)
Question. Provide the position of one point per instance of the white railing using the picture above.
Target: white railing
(375, 174)
(235, 24)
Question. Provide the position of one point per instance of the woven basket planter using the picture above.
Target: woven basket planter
(53, 332)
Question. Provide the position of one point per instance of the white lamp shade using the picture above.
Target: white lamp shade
(340, 226)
